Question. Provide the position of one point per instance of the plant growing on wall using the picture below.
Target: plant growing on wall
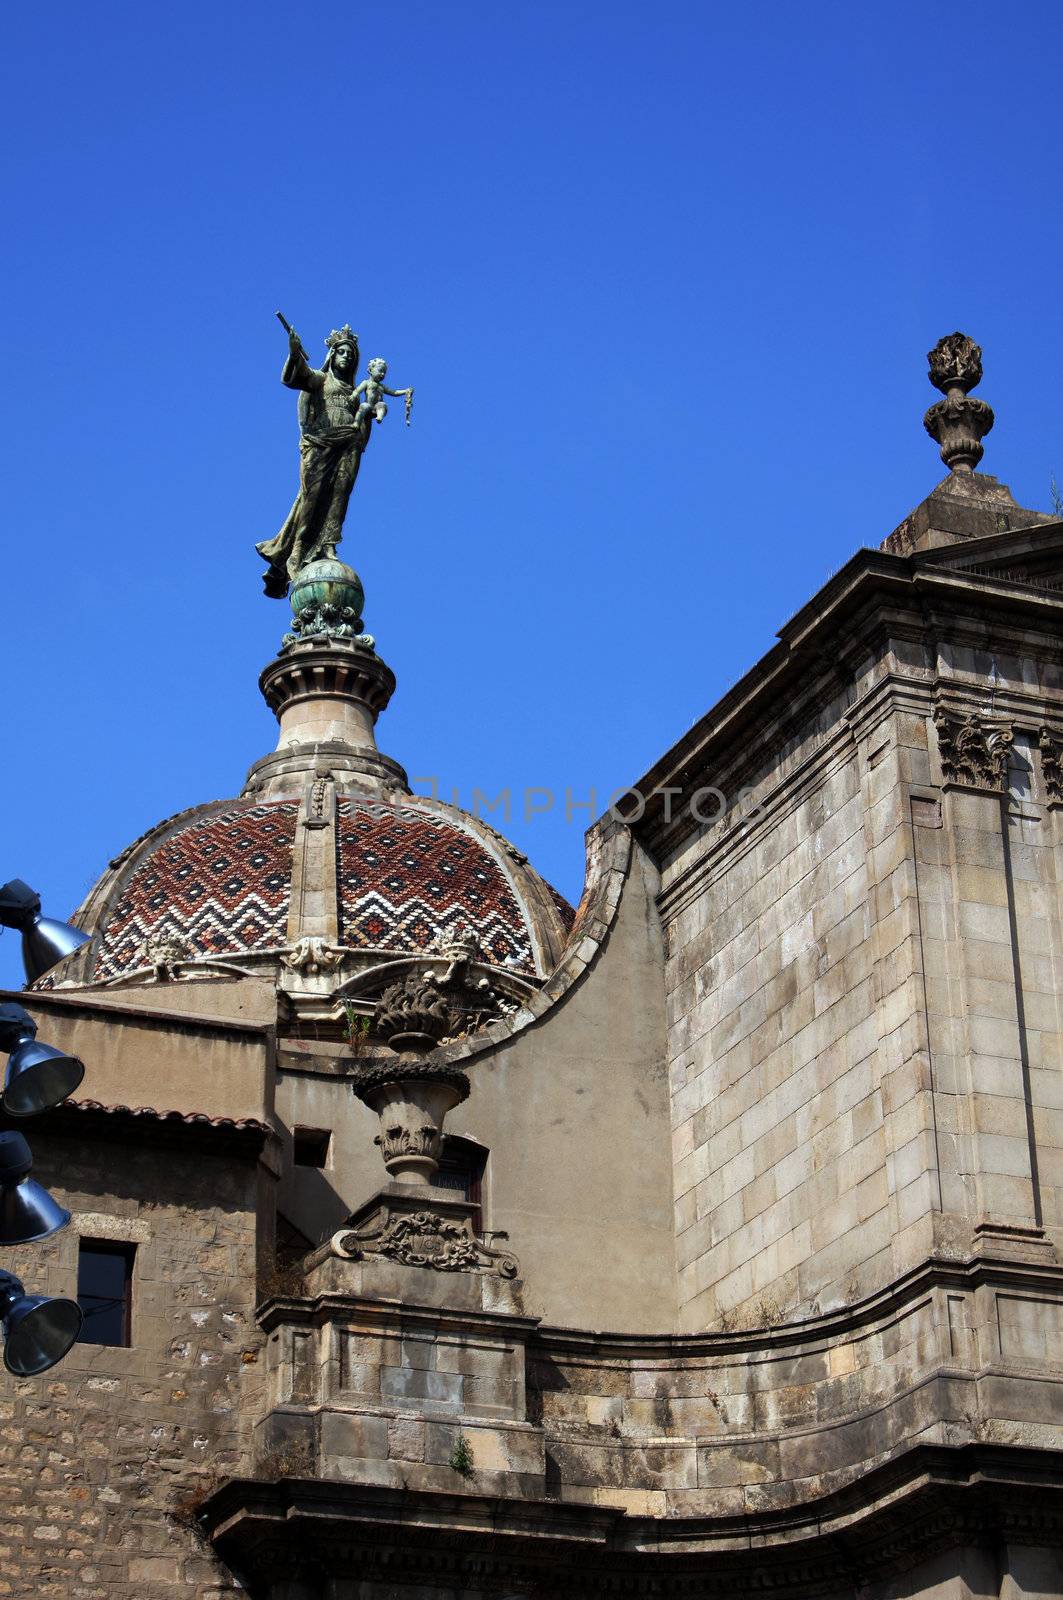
(356, 1027)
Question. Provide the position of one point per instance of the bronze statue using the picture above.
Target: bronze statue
(334, 429)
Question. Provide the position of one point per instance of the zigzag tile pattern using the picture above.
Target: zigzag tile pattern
(406, 875)
(223, 884)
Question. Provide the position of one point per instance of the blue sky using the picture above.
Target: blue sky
(663, 277)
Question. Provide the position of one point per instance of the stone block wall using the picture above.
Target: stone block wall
(712, 1444)
(104, 1458)
(768, 1423)
(784, 979)
(989, 902)
(378, 1371)
(864, 986)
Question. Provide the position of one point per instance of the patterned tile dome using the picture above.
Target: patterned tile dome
(215, 884)
(406, 877)
(221, 885)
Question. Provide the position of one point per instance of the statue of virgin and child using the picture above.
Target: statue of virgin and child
(336, 415)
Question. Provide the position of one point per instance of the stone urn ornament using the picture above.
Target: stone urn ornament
(411, 1095)
(959, 423)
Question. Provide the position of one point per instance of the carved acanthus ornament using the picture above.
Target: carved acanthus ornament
(427, 1239)
(1051, 747)
(972, 754)
(958, 423)
(328, 620)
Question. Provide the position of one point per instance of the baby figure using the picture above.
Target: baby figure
(374, 389)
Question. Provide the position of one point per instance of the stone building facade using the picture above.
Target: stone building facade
(738, 1266)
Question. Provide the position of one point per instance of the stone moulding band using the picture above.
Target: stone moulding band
(314, 670)
(377, 1074)
(929, 1499)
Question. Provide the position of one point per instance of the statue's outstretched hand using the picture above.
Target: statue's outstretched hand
(295, 344)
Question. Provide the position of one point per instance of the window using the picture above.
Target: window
(105, 1292)
(461, 1168)
(311, 1146)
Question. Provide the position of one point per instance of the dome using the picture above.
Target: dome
(326, 874)
(214, 887)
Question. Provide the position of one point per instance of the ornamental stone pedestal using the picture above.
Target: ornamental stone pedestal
(401, 1359)
(326, 686)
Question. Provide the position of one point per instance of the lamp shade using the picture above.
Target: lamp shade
(27, 1211)
(38, 1331)
(44, 940)
(39, 1077)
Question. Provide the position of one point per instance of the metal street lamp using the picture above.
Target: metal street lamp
(44, 940)
(38, 1331)
(39, 1077)
(27, 1211)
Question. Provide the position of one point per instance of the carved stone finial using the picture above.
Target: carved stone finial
(958, 423)
(411, 1096)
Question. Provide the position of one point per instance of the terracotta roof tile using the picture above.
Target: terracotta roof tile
(189, 1118)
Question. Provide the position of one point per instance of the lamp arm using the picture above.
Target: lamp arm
(11, 1289)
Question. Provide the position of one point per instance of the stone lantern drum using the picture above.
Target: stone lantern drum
(411, 1095)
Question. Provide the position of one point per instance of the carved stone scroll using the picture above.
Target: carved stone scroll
(427, 1239)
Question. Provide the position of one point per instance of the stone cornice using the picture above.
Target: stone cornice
(88, 1003)
(808, 667)
(928, 1499)
(361, 1311)
(1025, 709)
(794, 1338)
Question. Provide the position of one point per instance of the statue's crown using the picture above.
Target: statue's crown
(342, 335)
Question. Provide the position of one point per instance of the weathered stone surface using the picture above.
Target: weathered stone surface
(103, 1460)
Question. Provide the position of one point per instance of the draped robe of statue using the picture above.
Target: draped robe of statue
(330, 452)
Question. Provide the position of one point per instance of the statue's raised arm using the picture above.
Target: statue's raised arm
(297, 372)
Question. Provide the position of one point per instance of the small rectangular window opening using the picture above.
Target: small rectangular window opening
(105, 1292)
(311, 1146)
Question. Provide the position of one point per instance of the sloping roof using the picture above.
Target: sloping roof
(117, 1120)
